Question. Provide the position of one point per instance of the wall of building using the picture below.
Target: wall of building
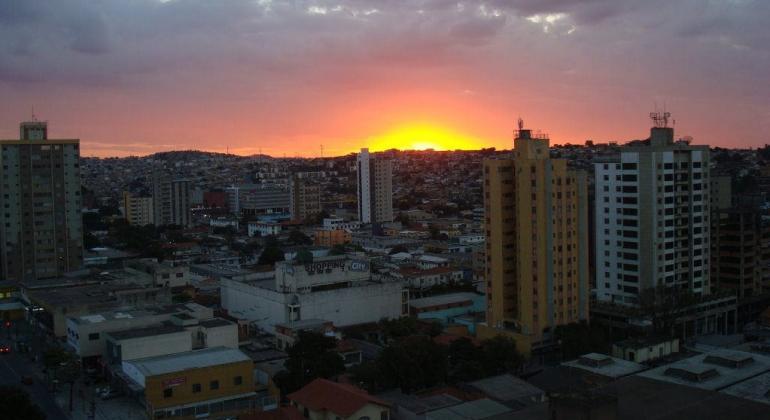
(141, 347)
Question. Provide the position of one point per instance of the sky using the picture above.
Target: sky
(327, 77)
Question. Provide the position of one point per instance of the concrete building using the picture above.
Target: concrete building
(86, 333)
(162, 274)
(330, 288)
(171, 200)
(216, 382)
(138, 211)
(652, 218)
(304, 198)
(446, 307)
(179, 334)
(375, 188)
(338, 223)
(331, 237)
(260, 228)
(536, 218)
(41, 226)
(740, 251)
(255, 199)
(641, 350)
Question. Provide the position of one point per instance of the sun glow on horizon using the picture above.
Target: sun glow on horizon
(422, 137)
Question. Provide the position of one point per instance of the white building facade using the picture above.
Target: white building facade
(652, 218)
(329, 288)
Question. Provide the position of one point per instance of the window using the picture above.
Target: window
(238, 380)
(93, 336)
(196, 388)
(214, 385)
(168, 392)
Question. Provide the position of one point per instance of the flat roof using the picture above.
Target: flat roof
(151, 331)
(427, 302)
(601, 364)
(714, 370)
(755, 389)
(472, 410)
(507, 387)
(215, 356)
(214, 322)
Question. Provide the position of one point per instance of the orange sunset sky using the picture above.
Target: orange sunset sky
(285, 77)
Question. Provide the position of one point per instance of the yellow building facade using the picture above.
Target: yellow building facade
(536, 225)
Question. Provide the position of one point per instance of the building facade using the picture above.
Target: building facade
(254, 199)
(138, 211)
(304, 198)
(740, 251)
(652, 218)
(536, 242)
(171, 200)
(41, 225)
(375, 188)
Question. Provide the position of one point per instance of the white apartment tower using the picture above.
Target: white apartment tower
(652, 217)
(375, 188)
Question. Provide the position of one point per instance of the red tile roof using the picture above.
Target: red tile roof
(282, 413)
(340, 399)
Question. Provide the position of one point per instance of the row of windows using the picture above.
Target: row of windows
(196, 388)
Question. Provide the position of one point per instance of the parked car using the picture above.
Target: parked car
(110, 393)
(5, 349)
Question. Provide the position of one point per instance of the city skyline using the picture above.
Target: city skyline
(286, 78)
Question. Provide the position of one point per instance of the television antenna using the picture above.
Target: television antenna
(660, 119)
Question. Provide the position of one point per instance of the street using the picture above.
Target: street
(13, 367)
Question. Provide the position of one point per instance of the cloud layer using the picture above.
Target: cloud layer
(287, 76)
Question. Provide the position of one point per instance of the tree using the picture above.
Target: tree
(304, 256)
(270, 255)
(15, 404)
(663, 305)
(464, 358)
(398, 327)
(298, 238)
(412, 363)
(312, 356)
(338, 249)
(500, 355)
(580, 338)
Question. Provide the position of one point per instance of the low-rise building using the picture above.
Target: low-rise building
(163, 273)
(330, 288)
(331, 237)
(214, 382)
(324, 399)
(641, 350)
(447, 306)
(422, 279)
(263, 228)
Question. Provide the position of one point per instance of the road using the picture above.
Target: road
(12, 367)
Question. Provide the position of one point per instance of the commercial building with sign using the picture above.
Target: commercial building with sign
(213, 382)
(330, 288)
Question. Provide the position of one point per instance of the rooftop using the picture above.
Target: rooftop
(472, 410)
(756, 389)
(340, 399)
(152, 331)
(611, 367)
(443, 299)
(714, 370)
(507, 387)
(215, 356)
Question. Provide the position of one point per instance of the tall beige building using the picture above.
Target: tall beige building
(304, 198)
(170, 200)
(138, 211)
(536, 223)
(375, 188)
(41, 224)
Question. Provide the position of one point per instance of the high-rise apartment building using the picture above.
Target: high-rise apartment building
(137, 210)
(375, 188)
(536, 217)
(304, 198)
(740, 251)
(41, 224)
(652, 217)
(170, 200)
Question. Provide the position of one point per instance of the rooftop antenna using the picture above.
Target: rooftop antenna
(33, 113)
(521, 124)
(660, 119)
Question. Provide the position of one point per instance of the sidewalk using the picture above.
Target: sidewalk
(114, 409)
